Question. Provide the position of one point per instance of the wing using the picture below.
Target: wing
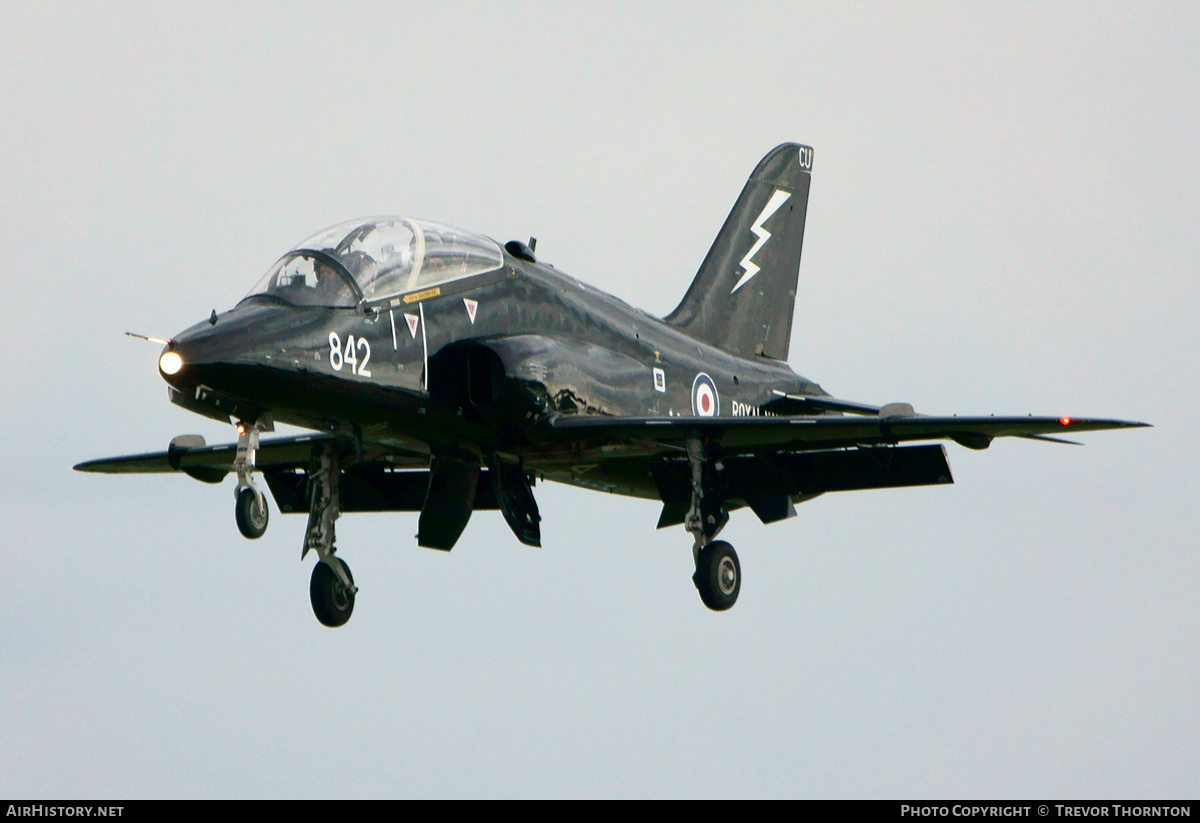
(769, 463)
(190, 452)
(385, 475)
(373, 478)
(741, 435)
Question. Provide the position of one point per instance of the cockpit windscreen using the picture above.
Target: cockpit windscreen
(306, 279)
(379, 258)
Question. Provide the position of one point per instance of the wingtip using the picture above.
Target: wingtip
(1131, 424)
(1087, 422)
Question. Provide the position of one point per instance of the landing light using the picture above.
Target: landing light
(170, 362)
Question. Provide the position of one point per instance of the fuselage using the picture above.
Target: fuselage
(473, 366)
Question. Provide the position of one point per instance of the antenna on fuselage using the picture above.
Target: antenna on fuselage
(533, 244)
(149, 339)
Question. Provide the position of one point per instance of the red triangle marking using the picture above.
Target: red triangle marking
(413, 320)
(471, 305)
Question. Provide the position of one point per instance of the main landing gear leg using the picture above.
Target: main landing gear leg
(250, 508)
(332, 586)
(718, 576)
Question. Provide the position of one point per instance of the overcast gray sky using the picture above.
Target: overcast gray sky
(1003, 219)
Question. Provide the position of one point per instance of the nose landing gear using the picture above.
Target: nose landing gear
(250, 509)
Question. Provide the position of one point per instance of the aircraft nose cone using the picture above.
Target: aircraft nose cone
(258, 354)
(198, 345)
(219, 341)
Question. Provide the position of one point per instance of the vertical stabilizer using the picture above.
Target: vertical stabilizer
(745, 292)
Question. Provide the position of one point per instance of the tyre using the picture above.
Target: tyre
(251, 516)
(718, 575)
(332, 602)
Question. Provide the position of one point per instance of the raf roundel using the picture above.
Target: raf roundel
(705, 400)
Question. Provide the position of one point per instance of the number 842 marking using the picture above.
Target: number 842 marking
(338, 356)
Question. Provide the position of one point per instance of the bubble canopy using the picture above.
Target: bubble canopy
(376, 259)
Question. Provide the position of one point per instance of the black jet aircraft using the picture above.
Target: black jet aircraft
(443, 373)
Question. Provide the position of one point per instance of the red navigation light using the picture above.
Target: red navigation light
(1066, 421)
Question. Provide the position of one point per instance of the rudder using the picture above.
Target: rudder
(743, 297)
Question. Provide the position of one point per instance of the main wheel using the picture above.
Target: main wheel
(718, 575)
(251, 516)
(332, 602)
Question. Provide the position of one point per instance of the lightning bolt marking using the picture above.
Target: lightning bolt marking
(747, 263)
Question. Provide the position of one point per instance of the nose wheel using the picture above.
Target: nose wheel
(251, 514)
(718, 575)
(250, 509)
(332, 600)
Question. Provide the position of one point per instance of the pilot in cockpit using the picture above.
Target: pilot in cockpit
(328, 280)
(363, 269)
